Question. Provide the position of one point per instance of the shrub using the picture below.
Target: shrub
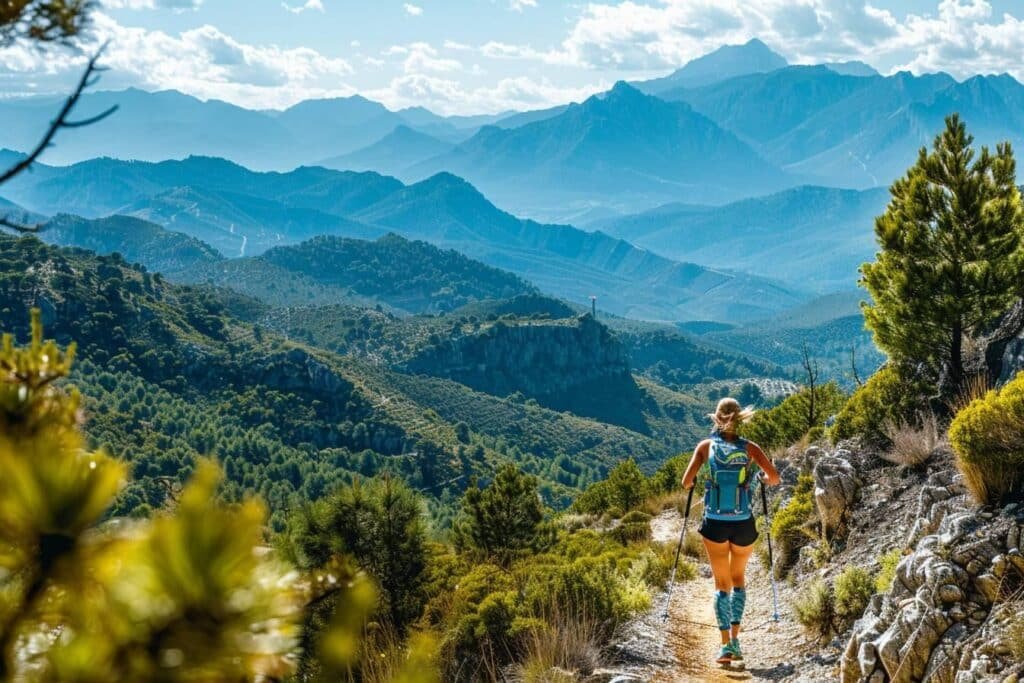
(636, 517)
(623, 490)
(853, 588)
(912, 444)
(887, 570)
(988, 439)
(890, 395)
(790, 524)
(1015, 633)
(564, 649)
(788, 422)
(814, 607)
(669, 475)
(693, 545)
(632, 533)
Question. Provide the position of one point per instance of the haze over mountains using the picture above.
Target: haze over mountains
(740, 108)
(242, 212)
(746, 184)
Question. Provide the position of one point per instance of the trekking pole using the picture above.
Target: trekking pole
(679, 549)
(768, 537)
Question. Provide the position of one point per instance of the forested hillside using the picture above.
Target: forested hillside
(170, 374)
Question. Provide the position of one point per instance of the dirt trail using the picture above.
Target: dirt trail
(691, 641)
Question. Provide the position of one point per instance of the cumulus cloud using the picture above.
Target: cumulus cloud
(960, 36)
(520, 5)
(177, 5)
(448, 96)
(413, 10)
(317, 5)
(204, 61)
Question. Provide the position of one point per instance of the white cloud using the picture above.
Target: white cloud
(204, 62)
(423, 57)
(960, 36)
(448, 96)
(177, 5)
(413, 10)
(317, 5)
(519, 5)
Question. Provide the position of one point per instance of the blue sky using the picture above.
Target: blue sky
(474, 56)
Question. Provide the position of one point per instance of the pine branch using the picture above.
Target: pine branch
(88, 79)
(23, 228)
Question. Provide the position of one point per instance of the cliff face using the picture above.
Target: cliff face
(537, 358)
(576, 365)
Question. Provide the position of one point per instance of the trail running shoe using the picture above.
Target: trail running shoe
(737, 653)
(725, 655)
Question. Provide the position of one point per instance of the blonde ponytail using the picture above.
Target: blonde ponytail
(729, 415)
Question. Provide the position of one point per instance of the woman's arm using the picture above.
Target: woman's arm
(755, 452)
(700, 456)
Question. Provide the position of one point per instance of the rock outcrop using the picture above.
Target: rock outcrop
(536, 358)
(944, 619)
(574, 364)
(835, 490)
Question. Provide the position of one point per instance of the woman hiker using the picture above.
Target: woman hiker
(728, 526)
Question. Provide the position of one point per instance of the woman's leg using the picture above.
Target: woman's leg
(718, 556)
(738, 557)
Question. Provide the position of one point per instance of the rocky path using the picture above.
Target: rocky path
(684, 647)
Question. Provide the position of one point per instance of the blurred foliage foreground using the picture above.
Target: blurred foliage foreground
(191, 594)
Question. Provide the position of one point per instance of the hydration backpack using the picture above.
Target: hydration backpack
(727, 491)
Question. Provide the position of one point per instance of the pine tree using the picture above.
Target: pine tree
(951, 255)
(504, 519)
(155, 599)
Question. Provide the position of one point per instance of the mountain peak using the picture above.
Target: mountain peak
(624, 89)
(726, 62)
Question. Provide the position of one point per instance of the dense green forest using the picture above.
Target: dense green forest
(169, 373)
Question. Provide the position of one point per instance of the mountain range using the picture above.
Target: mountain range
(732, 124)
(205, 197)
(809, 235)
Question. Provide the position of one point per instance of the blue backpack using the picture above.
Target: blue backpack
(727, 491)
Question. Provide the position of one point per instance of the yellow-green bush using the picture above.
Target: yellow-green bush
(890, 396)
(988, 439)
(790, 524)
(815, 609)
(853, 588)
(887, 570)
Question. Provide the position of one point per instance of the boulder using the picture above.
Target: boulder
(835, 489)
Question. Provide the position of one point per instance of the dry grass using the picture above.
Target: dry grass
(655, 505)
(974, 388)
(913, 444)
(693, 545)
(566, 649)
(386, 657)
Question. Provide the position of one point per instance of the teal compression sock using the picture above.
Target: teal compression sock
(739, 601)
(723, 610)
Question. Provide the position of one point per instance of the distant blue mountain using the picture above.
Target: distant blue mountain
(624, 148)
(154, 126)
(724, 63)
(855, 131)
(812, 237)
(228, 206)
(393, 154)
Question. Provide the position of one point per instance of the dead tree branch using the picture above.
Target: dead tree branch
(89, 78)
